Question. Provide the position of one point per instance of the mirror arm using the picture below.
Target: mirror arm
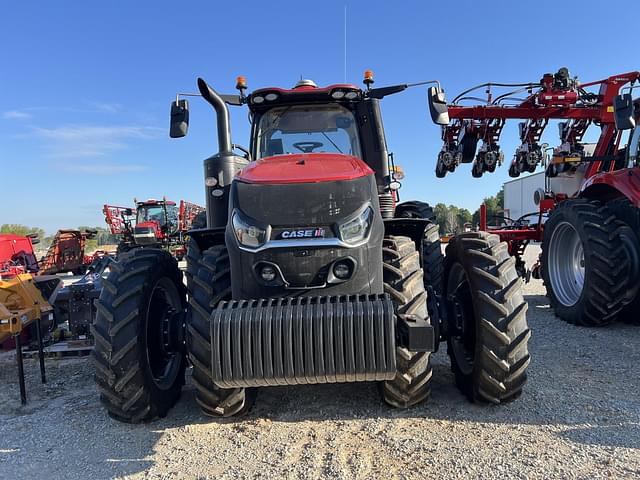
(427, 82)
(228, 99)
(242, 149)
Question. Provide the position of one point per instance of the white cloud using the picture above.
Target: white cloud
(16, 115)
(105, 168)
(80, 141)
(107, 107)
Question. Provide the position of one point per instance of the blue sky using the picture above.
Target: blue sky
(85, 87)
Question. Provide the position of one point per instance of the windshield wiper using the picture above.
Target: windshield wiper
(327, 137)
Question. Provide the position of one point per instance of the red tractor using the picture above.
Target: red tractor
(307, 272)
(590, 258)
(153, 223)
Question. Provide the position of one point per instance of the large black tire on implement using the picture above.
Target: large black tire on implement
(210, 285)
(486, 329)
(139, 370)
(403, 281)
(584, 263)
(629, 232)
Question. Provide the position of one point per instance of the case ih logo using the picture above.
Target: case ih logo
(303, 233)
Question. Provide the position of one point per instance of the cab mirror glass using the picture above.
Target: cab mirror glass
(179, 119)
(623, 112)
(438, 106)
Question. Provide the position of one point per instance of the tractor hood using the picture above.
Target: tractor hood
(148, 226)
(304, 168)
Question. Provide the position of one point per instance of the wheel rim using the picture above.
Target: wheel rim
(462, 319)
(566, 264)
(164, 362)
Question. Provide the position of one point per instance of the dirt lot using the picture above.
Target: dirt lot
(579, 417)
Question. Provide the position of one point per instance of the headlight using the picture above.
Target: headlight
(248, 235)
(357, 228)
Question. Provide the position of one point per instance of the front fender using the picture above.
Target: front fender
(609, 185)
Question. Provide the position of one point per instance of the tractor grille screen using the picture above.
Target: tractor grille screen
(303, 204)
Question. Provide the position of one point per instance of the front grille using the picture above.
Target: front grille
(303, 340)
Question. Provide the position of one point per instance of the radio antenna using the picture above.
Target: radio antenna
(345, 44)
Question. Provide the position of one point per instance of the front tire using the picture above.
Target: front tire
(403, 281)
(211, 285)
(138, 373)
(487, 330)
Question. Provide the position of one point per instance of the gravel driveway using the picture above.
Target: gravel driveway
(579, 417)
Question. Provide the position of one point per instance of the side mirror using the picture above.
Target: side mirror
(438, 106)
(179, 119)
(623, 112)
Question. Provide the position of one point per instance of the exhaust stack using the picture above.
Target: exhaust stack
(220, 168)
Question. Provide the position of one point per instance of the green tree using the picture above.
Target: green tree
(441, 212)
(22, 230)
(495, 208)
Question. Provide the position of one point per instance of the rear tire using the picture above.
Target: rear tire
(432, 259)
(403, 281)
(138, 376)
(487, 330)
(415, 209)
(209, 286)
(193, 262)
(123, 248)
(587, 289)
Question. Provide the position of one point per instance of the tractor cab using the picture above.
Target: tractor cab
(305, 119)
(155, 220)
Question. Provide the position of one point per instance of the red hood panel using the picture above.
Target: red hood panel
(305, 168)
(153, 224)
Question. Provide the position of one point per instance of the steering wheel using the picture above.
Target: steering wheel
(307, 147)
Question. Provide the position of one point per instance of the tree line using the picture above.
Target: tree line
(453, 219)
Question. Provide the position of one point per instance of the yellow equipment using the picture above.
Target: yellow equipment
(23, 302)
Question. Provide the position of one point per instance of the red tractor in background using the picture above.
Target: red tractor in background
(588, 219)
(154, 223)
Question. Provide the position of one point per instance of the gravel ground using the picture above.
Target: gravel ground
(579, 417)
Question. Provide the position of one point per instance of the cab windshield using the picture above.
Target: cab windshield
(308, 129)
(156, 213)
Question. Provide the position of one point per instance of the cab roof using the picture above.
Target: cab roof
(305, 91)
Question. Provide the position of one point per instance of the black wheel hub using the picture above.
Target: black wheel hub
(164, 333)
(461, 320)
